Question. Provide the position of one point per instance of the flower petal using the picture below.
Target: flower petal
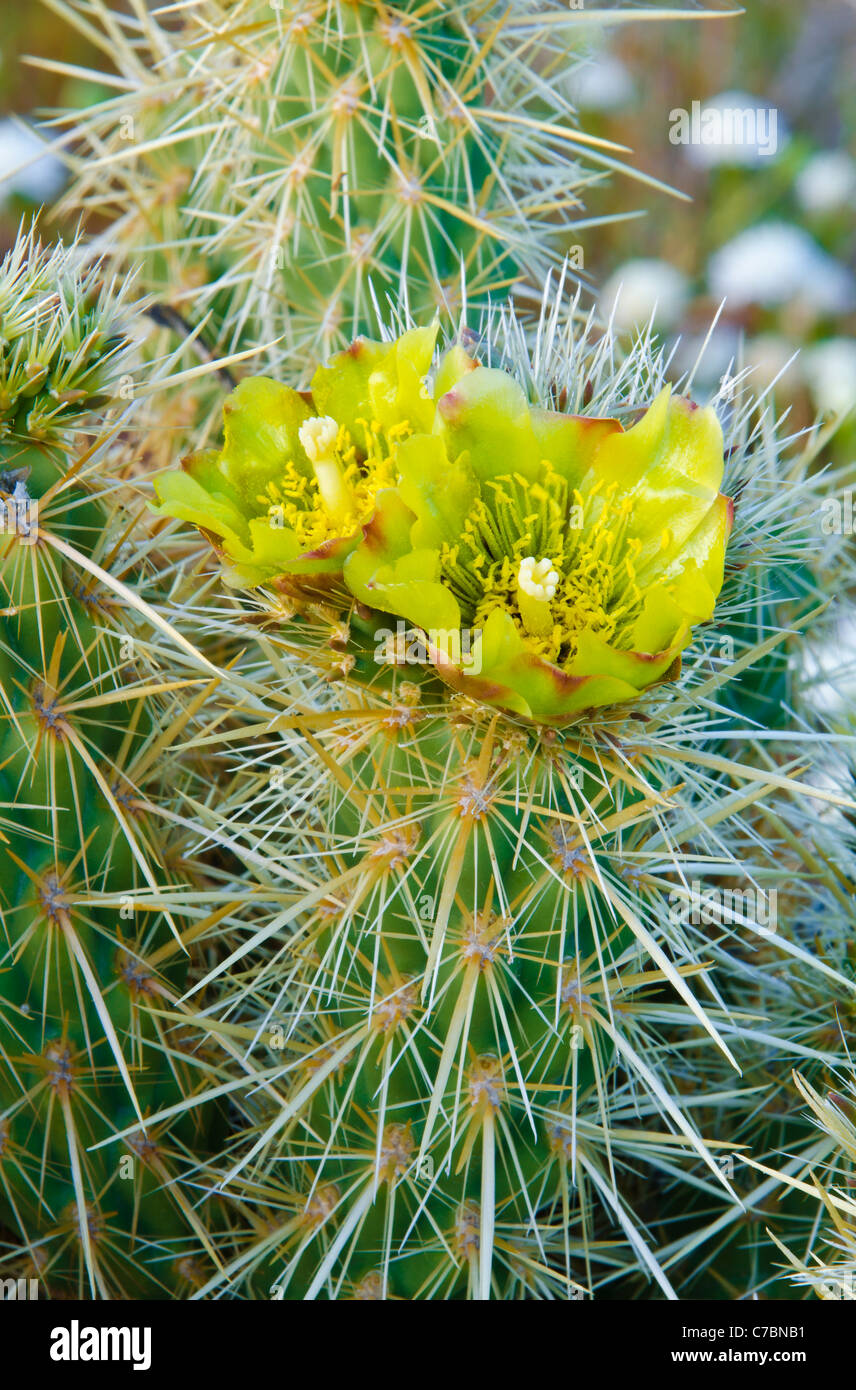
(181, 496)
(378, 381)
(694, 577)
(454, 364)
(261, 422)
(440, 492)
(636, 669)
(487, 414)
(570, 442)
(386, 573)
(668, 468)
(502, 671)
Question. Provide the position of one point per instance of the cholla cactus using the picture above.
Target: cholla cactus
(803, 1203)
(83, 746)
(480, 803)
(506, 956)
(268, 163)
(826, 1265)
(62, 342)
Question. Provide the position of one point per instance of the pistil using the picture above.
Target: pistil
(537, 581)
(318, 437)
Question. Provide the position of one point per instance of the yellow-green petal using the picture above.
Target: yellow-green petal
(182, 497)
(570, 442)
(487, 415)
(453, 365)
(668, 468)
(440, 492)
(387, 574)
(383, 382)
(261, 422)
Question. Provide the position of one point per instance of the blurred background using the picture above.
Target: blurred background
(769, 230)
(768, 226)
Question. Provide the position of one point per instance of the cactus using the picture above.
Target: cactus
(84, 745)
(268, 169)
(500, 1039)
(803, 1202)
(827, 1266)
(420, 801)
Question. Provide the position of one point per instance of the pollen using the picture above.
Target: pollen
(558, 563)
(347, 473)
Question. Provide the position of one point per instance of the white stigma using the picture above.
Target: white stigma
(537, 578)
(318, 436)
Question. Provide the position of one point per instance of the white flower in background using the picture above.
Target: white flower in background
(772, 357)
(830, 370)
(774, 263)
(602, 83)
(711, 357)
(25, 169)
(642, 288)
(829, 670)
(736, 128)
(827, 182)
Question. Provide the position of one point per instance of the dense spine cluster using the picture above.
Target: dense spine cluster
(84, 745)
(328, 972)
(270, 167)
(521, 1004)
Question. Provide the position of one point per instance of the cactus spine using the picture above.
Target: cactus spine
(270, 166)
(480, 1037)
(83, 745)
(498, 1033)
